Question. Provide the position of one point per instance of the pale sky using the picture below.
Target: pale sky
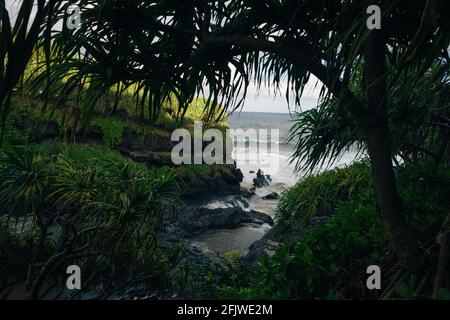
(265, 101)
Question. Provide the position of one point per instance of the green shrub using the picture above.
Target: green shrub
(331, 256)
(321, 194)
(112, 130)
(88, 155)
(85, 206)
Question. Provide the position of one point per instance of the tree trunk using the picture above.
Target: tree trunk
(379, 145)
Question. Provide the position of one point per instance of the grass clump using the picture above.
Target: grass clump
(321, 193)
(112, 130)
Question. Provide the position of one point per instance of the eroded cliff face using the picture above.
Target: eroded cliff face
(154, 150)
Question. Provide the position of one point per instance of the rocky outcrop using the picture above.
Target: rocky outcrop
(210, 181)
(239, 201)
(260, 249)
(133, 141)
(152, 150)
(272, 196)
(194, 221)
(262, 180)
(247, 191)
(155, 151)
(130, 140)
(276, 237)
(257, 217)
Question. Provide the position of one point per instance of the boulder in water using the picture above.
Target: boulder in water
(260, 218)
(247, 191)
(262, 180)
(272, 196)
(197, 220)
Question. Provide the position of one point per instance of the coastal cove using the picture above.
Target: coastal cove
(224, 150)
(244, 238)
(240, 238)
(221, 214)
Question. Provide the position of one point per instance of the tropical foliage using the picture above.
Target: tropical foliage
(385, 93)
(84, 206)
(19, 39)
(418, 117)
(320, 194)
(329, 261)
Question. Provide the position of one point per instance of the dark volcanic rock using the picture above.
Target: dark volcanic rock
(204, 219)
(225, 180)
(234, 177)
(272, 196)
(157, 143)
(155, 151)
(130, 140)
(261, 180)
(239, 201)
(259, 218)
(277, 236)
(259, 249)
(247, 191)
(194, 221)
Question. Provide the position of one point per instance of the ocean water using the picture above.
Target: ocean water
(274, 157)
(268, 153)
(273, 161)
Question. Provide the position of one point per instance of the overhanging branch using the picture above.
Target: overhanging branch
(298, 57)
